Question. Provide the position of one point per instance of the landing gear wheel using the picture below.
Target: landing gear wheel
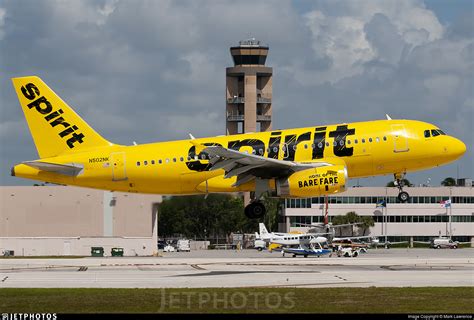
(255, 210)
(403, 196)
(399, 183)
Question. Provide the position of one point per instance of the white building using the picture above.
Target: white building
(57, 220)
(420, 219)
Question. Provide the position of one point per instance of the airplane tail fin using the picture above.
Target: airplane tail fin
(54, 126)
(263, 229)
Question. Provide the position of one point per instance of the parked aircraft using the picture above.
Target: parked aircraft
(296, 244)
(289, 239)
(292, 163)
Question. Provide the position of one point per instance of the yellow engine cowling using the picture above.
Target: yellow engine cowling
(313, 182)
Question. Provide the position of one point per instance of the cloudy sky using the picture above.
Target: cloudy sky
(155, 70)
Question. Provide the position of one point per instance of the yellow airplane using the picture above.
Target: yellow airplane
(303, 162)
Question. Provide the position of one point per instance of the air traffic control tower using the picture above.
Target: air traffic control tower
(248, 89)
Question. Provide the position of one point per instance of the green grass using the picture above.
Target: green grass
(229, 300)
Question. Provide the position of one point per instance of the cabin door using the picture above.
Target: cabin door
(400, 139)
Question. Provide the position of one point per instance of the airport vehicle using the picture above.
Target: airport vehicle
(302, 162)
(161, 244)
(438, 243)
(348, 252)
(259, 244)
(348, 243)
(183, 245)
(169, 248)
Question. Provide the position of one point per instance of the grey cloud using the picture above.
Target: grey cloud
(155, 70)
(384, 38)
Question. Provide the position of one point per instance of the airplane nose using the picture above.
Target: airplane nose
(456, 147)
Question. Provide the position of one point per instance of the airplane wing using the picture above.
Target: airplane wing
(66, 169)
(250, 166)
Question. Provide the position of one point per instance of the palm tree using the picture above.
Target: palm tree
(352, 218)
(366, 222)
(337, 220)
(448, 182)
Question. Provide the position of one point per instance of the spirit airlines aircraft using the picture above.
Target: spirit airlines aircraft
(303, 162)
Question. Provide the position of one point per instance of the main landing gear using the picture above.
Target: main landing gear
(255, 210)
(403, 196)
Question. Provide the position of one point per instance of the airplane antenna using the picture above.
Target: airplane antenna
(134, 143)
(191, 136)
(388, 117)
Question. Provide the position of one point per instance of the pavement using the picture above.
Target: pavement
(246, 268)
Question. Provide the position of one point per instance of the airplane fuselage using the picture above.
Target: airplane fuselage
(365, 148)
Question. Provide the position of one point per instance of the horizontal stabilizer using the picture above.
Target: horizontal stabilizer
(66, 169)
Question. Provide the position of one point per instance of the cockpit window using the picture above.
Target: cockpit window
(427, 134)
(441, 132)
(435, 133)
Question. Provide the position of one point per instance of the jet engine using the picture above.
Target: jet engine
(313, 182)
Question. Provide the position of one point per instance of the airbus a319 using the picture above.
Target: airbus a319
(291, 163)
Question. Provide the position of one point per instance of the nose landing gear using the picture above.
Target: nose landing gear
(403, 196)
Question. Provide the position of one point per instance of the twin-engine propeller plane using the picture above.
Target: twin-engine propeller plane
(303, 162)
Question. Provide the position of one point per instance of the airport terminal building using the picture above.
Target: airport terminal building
(423, 217)
(59, 220)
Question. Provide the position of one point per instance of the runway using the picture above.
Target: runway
(247, 268)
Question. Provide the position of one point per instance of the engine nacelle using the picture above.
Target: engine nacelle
(313, 182)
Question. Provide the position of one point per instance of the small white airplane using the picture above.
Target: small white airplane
(297, 244)
(289, 239)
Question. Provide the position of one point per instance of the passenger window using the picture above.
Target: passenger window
(167, 160)
(160, 162)
(152, 161)
(348, 141)
(363, 140)
(434, 133)
(327, 144)
(145, 162)
(384, 138)
(174, 159)
(305, 146)
(427, 134)
(138, 163)
(356, 141)
(181, 159)
(370, 139)
(341, 142)
(377, 139)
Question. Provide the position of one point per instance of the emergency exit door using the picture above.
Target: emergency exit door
(117, 160)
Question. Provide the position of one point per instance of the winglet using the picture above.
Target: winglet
(388, 117)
